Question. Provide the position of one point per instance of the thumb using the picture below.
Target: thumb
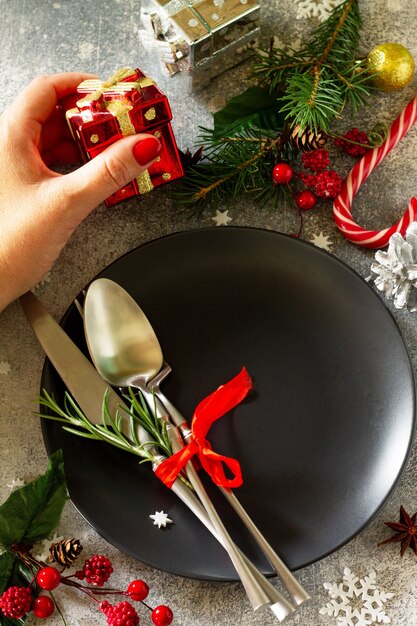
(108, 172)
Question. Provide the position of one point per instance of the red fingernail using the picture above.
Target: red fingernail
(146, 150)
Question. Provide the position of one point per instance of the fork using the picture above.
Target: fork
(294, 588)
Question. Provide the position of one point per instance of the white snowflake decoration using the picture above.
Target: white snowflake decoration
(44, 546)
(221, 218)
(356, 601)
(160, 519)
(322, 241)
(316, 8)
(5, 367)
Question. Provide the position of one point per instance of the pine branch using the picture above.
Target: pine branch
(317, 82)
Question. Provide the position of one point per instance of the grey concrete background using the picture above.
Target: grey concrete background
(49, 36)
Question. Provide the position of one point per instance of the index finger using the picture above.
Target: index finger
(38, 100)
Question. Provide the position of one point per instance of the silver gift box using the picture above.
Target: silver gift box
(200, 39)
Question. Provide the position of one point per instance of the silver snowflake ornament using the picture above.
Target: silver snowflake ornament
(396, 269)
(356, 601)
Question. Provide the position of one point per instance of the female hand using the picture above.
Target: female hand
(39, 208)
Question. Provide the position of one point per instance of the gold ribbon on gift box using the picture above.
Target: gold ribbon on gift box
(119, 108)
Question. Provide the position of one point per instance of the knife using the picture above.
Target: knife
(75, 369)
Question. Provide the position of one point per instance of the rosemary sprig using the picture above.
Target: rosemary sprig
(110, 430)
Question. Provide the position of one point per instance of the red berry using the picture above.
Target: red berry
(122, 614)
(306, 200)
(282, 173)
(308, 179)
(316, 160)
(43, 607)
(358, 137)
(96, 570)
(48, 578)
(15, 602)
(328, 184)
(162, 615)
(138, 590)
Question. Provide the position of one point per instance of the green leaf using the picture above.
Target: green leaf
(32, 512)
(254, 108)
(12, 572)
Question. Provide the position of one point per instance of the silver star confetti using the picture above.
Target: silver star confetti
(221, 218)
(161, 519)
(16, 483)
(322, 241)
(44, 546)
(5, 367)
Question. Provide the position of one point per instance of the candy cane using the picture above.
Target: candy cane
(357, 176)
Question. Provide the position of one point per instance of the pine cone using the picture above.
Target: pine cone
(65, 552)
(308, 140)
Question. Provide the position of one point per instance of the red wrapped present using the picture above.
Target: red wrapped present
(126, 104)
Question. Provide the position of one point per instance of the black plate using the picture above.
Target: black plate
(321, 441)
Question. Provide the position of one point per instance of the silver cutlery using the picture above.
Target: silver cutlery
(126, 351)
(125, 357)
(75, 369)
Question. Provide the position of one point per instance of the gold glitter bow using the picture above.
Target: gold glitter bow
(117, 83)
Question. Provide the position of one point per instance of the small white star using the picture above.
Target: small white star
(44, 546)
(221, 218)
(16, 482)
(160, 519)
(5, 367)
(322, 241)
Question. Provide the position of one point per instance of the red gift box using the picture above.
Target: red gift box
(126, 104)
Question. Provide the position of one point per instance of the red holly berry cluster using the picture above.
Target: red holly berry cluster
(326, 183)
(355, 142)
(16, 602)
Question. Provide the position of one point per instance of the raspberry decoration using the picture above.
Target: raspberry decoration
(316, 160)
(308, 179)
(282, 173)
(306, 200)
(162, 615)
(43, 607)
(48, 578)
(351, 147)
(122, 614)
(328, 184)
(15, 602)
(138, 590)
(96, 570)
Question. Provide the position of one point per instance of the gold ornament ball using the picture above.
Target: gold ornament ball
(394, 64)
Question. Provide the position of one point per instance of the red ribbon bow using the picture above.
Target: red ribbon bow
(225, 398)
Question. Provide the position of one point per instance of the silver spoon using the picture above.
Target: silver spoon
(125, 351)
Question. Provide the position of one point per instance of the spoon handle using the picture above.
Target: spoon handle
(259, 590)
(294, 588)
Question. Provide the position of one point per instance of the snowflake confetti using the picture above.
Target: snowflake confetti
(221, 218)
(160, 519)
(5, 367)
(44, 546)
(316, 8)
(322, 241)
(16, 483)
(356, 601)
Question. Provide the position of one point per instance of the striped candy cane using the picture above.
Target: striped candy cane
(357, 176)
